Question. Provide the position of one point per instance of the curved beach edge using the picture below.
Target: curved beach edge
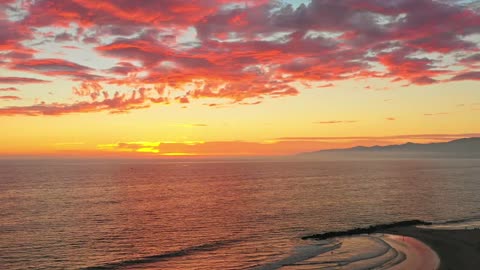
(418, 255)
(455, 248)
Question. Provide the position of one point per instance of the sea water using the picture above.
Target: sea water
(154, 214)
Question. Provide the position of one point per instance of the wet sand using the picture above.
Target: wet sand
(457, 249)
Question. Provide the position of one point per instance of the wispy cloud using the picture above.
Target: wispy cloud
(10, 98)
(190, 125)
(20, 80)
(6, 89)
(436, 114)
(434, 136)
(336, 122)
(119, 103)
(326, 85)
(279, 146)
(68, 143)
(470, 75)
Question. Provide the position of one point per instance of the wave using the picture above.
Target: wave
(361, 252)
(164, 256)
(459, 220)
(302, 253)
(366, 230)
(460, 224)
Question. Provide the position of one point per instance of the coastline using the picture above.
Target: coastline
(457, 244)
(457, 249)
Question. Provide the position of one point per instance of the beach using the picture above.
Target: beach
(84, 214)
(412, 244)
(457, 249)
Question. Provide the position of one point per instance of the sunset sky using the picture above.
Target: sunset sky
(228, 78)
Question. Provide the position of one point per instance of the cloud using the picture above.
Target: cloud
(5, 89)
(54, 67)
(71, 47)
(471, 75)
(12, 33)
(214, 148)
(68, 143)
(431, 137)
(471, 59)
(123, 68)
(436, 114)
(280, 146)
(10, 98)
(423, 80)
(20, 80)
(238, 51)
(326, 85)
(190, 125)
(336, 122)
(91, 89)
(118, 103)
(390, 119)
(159, 13)
(416, 70)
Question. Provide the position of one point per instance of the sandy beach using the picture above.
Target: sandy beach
(424, 245)
(457, 249)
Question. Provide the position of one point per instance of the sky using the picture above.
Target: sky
(234, 78)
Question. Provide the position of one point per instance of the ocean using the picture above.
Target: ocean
(154, 214)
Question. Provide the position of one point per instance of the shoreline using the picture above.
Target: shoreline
(366, 230)
(457, 249)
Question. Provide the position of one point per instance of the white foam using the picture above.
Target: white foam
(461, 225)
(376, 251)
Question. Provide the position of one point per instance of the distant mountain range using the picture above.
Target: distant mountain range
(462, 148)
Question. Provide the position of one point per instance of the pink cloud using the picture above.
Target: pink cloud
(12, 89)
(9, 98)
(326, 85)
(471, 75)
(118, 103)
(91, 89)
(20, 80)
(239, 51)
(54, 67)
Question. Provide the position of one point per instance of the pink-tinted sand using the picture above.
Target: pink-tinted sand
(418, 255)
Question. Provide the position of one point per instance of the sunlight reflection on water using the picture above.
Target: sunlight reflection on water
(214, 215)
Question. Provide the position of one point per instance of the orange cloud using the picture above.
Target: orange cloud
(119, 103)
(9, 98)
(281, 146)
(221, 148)
(235, 50)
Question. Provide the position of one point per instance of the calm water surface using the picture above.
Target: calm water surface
(78, 214)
